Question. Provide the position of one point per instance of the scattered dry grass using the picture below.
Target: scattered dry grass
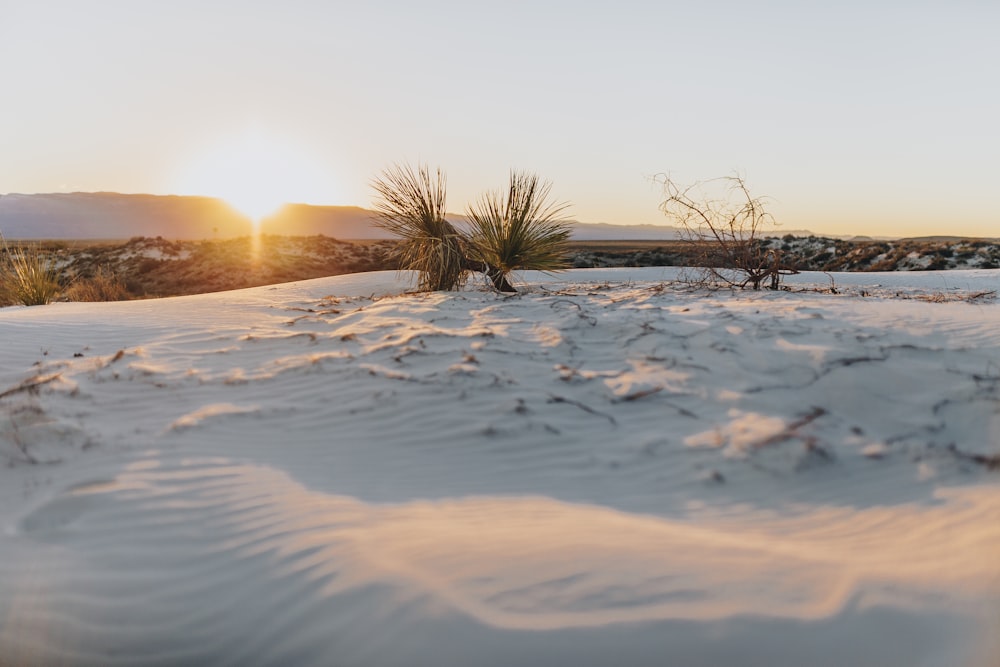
(152, 267)
(27, 276)
(103, 285)
(968, 297)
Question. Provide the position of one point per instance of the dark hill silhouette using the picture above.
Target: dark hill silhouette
(342, 222)
(108, 215)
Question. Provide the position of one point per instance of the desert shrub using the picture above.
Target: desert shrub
(513, 230)
(519, 229)
(6, 298)
(26, 276)
(147, 264)
(724, 223)
(411, 204)
(822, 256)
(104, 285)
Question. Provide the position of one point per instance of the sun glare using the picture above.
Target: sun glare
(256, 174)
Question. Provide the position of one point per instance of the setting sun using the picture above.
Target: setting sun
(256, 173)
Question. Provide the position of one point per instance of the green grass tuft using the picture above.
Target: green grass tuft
(519, 229)
(411, 205)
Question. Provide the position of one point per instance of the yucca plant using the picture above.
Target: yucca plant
(411, 205)
(517, 230)
(26, 276)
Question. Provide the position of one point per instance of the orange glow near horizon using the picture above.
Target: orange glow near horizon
(256, 174)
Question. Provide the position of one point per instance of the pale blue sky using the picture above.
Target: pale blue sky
(856, 117)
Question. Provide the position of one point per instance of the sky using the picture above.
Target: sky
(879, 118)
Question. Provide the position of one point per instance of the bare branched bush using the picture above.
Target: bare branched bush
(411, 205)
(26, 276)
(104, 285)
(725, 225)
(519, 229)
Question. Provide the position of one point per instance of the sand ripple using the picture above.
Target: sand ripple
(588, 475)
(175, 559)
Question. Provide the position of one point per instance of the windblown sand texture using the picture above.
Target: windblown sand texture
(610, 468)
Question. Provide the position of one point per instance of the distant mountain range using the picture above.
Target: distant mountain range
(108, 215)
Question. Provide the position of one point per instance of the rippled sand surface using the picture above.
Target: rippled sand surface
(607, 469)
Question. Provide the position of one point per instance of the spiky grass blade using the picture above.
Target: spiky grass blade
(411, 205)
(520, 229)
(26, 276)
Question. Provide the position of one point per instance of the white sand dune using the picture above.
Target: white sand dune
(610, 468)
